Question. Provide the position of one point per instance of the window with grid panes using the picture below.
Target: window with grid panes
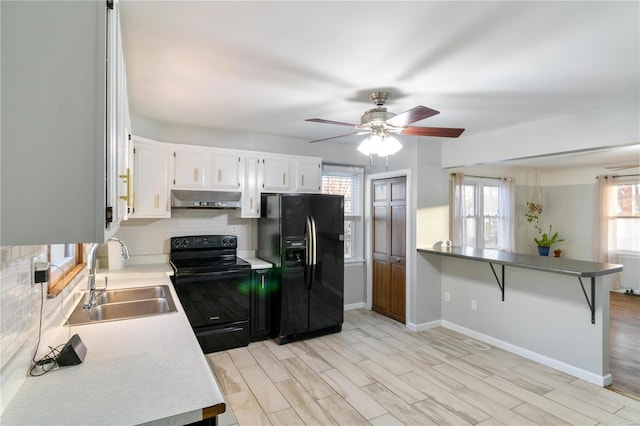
(627, 199)
(482, 201)
(348, 181)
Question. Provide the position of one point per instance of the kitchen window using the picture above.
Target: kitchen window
(348, 181)
(67, 258)
(485, 217)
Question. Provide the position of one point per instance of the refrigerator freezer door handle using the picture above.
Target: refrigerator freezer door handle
(314, 241)
(308, 241)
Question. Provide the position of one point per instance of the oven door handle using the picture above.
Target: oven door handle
(201, 276)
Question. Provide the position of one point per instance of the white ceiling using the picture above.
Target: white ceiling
(264, 67)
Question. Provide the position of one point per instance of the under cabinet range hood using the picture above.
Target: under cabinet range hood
(204, 199)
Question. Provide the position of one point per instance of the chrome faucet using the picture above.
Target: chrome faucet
(90, 298)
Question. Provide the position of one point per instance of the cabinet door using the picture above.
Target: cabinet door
(190, 167)
(308, 175)
(260, 305)
(276, 174)
(54, 146)
(251, 190)
(226, 171)
(151, 194)
(124, 144)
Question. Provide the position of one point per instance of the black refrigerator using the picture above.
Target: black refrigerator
(303, 236)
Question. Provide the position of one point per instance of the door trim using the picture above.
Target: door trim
(409, 238)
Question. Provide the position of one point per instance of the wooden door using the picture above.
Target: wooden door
(389, 247)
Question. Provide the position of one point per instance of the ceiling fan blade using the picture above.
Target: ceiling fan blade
(445, 132)
(320, 120)
(338, 137)
(411, 116)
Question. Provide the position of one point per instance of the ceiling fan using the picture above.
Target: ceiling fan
(380, 125)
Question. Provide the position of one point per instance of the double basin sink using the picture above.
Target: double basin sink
(126, 303)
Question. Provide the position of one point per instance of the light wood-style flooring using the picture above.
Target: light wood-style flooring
(624, 336)
(377, 372)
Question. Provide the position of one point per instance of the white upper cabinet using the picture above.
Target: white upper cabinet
(190, 168)
(225, 171)
(308, 175)
(276, 174)
(151, 193)
(251, 187)
(59, 163)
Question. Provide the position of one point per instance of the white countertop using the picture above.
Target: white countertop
(258, 263)
(135, 371)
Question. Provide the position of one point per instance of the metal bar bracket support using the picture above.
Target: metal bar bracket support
(592, 302)
(500, 284)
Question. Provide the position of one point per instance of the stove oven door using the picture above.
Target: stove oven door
(217, 306)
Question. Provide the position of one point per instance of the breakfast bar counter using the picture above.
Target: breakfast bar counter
(556, 265)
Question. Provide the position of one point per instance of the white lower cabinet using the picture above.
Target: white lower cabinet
(151, 196)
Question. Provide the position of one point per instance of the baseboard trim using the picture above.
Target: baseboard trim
(352, 306)
(534, 356)
(424, 326)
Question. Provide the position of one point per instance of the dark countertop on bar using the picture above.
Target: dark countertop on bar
(556, 265)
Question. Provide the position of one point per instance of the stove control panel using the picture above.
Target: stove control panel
(204, 241)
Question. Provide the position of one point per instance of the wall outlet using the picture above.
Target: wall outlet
(447, 296)
(474, 305)
(234, 230)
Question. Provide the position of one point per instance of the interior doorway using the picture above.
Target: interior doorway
(389, 257)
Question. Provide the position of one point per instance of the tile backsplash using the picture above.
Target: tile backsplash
(19, 300)
(150, 237)
(20, 303)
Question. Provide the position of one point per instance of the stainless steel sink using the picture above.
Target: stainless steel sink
(131, 294)
(114, 305)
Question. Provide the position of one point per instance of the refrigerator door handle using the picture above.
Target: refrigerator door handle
(314, 242)
(308, 241)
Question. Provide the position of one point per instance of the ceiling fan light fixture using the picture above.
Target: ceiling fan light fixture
(389, 146)
(370, 145)
(381, 145)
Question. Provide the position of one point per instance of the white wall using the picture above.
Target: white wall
(332, 152)
(605, 126)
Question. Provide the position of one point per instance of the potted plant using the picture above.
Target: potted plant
(534, 210)
(557, 252)
(546, 240)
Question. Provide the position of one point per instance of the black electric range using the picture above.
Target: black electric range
(213, 286)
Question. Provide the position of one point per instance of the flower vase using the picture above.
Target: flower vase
(543, 251)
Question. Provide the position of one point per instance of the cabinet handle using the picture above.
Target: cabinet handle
(262, 283)
(196, 174)
(127, 180)
(219, 175)
(251, 203)
(302, 181)
(284, 178)
(156, 201)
